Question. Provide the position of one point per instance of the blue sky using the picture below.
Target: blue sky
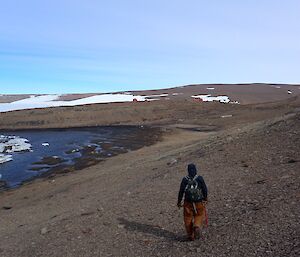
(101, 46)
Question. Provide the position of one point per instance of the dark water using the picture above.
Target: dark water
(71, 149)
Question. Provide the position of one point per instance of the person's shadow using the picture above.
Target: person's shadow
(149, 229)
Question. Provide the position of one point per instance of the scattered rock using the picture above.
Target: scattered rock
(86, 230)
(292, 161)
(87, 213)
(50, 160)
(3, 184)
(44, 231)
(229, 139)
(106, 223)
(172, 162)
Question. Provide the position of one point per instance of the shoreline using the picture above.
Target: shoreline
(57, 166)
(79, 127)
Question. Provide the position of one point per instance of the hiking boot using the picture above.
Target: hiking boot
(191, 238)
(197, 232)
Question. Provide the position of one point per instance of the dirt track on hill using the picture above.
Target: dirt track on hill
(126, 206)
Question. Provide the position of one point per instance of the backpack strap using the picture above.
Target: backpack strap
(194, 179)
(189, 178)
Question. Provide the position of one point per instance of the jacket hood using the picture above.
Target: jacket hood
(192, 170)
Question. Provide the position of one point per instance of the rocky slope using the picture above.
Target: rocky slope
(126, 206)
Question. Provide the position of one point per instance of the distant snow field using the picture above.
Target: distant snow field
(209, 98)
(45, 101)
(11, 144)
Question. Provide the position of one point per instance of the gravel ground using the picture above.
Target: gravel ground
(127, 205)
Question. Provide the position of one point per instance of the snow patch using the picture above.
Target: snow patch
(105, 98)
(275, 86)
(209, 98)
(161, 95)
(39, 101)
(226, 116)
(210, 88)
(45, 101)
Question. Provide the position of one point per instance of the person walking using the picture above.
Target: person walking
(194, 190)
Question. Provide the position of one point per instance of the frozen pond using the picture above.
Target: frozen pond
(66, 150)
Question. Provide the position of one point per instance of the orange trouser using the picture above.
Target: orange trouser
(193, 219)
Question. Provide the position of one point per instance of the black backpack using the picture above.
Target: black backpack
(193, 192)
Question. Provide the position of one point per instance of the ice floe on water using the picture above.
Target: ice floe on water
(11, 144)
(45, 144)
(209, 98)
(5, 158)
(16, 145)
